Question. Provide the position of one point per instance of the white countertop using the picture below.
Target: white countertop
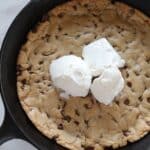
(8, 10)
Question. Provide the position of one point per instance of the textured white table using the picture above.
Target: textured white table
(8, 10)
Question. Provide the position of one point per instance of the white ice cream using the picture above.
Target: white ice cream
(107, 86)
(99, 55)
(71, 74)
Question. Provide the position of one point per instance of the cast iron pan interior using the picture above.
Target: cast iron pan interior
(15, 37)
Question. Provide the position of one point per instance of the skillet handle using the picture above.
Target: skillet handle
(8, 130)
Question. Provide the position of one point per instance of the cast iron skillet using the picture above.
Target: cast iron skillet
(15, 37)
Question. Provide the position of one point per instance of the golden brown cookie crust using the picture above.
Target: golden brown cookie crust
(82, 123)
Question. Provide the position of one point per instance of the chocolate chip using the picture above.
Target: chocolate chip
(94, 15)
(65, 103)
(42, 92)
(59, 28)
(85, 5)
(86, 122)
(147, 59)
(126, 133)
(129, 84)
(76, 122)
(89, 148)
(114, 119)
(60, 126)
(77, 36)
(55, 137)
(74, 7)
(126, 102)
(65, 34)
(114, 45)
(24, 49)
(127, 74)
(67, 118)
(117, 102)
(100, 20)
(29, 68)
(92, 99)
(48, 115)
(147, 75)
(148, 99)
(35, 53)
(41, 62)
(136, 73)
(37, 81)
(125, 66)
(46, 38)
(19, 71)
(148, 122)
(18, 67)
(77, 112)
(86, 43)
(24, 81)
(57, 56)
(63, 107)
(71, 53)
(60, 15)
(56, 36)
(140, 98)
(99, 116)
(87, 106)
(45, 18)
(95, 25)
(58, 107)
(44, 77)
(49, 85)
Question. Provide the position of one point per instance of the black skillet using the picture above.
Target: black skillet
(16, 124)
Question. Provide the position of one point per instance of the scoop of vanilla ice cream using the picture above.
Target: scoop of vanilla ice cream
(106, 87)
(71, 74)
(100, 54)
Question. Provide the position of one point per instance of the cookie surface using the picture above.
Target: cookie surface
(83, 123)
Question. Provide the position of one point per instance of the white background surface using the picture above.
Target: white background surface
(8, 10)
